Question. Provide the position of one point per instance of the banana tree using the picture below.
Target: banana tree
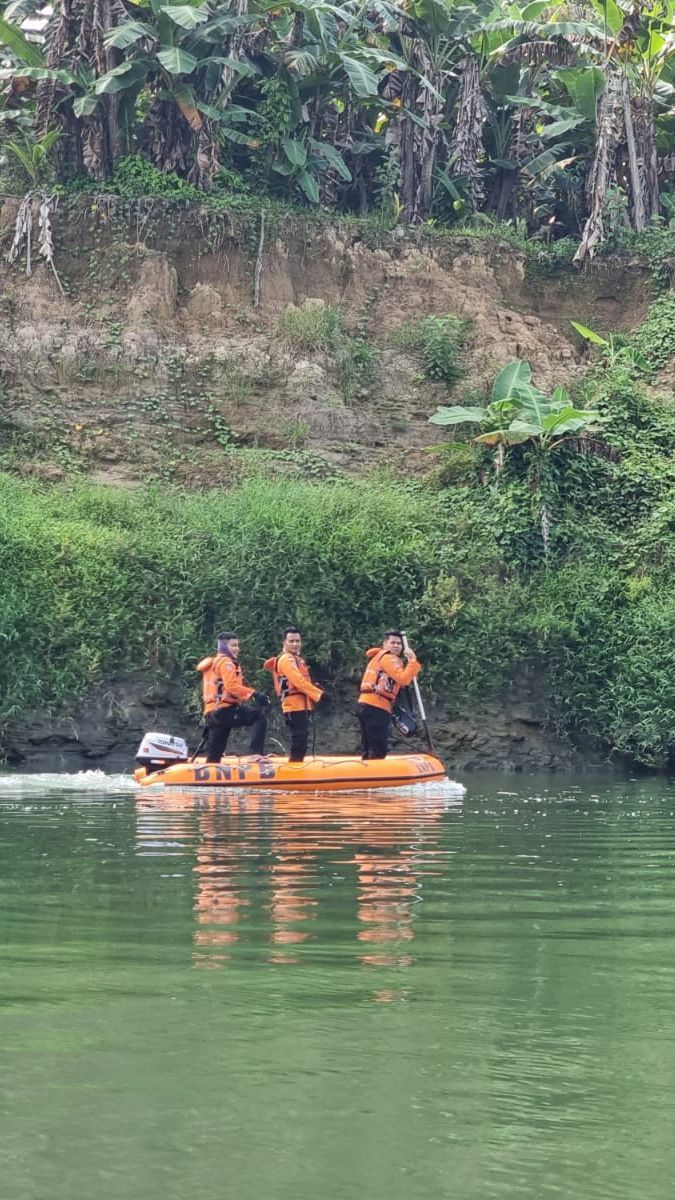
(63, 69)
(323, 65)
(647, 53)
(560, 89)
(98, 58)
(419, 93)
(518, 414)
(615, 66)
(16, 87)
(640, 74)
(439, 125)
(167, 52)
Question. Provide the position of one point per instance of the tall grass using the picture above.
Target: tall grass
(95, 581)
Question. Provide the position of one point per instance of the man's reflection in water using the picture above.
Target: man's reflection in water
(271, 859)
(386, 888)
(290, 905)
(389, 881)
(217, 900)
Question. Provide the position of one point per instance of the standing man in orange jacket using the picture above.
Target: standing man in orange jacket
(225, 696)
(293, 685)
(382, 681)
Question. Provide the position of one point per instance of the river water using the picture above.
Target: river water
(403, 997)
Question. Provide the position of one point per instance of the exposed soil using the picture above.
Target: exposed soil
(157, 363)
(105, 729)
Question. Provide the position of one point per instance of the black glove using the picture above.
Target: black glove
(261, 700)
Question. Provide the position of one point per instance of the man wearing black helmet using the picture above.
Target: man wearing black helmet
(225, 700)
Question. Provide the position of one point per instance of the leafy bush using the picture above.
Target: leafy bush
(655, 339)
(654, 245)
(319, 326)
(135, 176)
(439, 341)
(356, 359)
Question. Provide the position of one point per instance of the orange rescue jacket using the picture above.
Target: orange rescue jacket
(222, 682)
(384, 677)
(293, 683)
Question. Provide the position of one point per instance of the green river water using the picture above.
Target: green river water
(399, 998)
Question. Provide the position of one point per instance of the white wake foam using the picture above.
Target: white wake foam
(99, 782)
(61, 781)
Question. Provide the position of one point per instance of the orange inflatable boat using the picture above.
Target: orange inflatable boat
(321, 773)
(163, 760)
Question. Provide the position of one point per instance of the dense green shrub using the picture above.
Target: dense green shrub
(655, 339)
(135, 176)
(439, 342)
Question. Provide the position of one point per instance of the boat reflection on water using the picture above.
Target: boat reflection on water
(273, 872)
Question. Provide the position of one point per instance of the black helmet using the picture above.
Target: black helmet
(404, 722)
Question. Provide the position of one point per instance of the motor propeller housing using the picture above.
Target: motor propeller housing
(159, 750)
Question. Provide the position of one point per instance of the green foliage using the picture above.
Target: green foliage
(134, 176)
(274, 113)
(654, 245)
(459, 464)
(314, 326)
(518, 412)
(615, 348)
(552, 259)
(356, 360)
(655, 339)
(610, 647)
(124, 578)
(439, 342)
(33, 154)
(318, 326)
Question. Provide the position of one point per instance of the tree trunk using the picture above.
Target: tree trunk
(168, 139)
(60, 35)
(602, 169)
(466, 146)
(205, 165)
(419, 144)
(643, 115)
(75, 36)
(406, 143)
(635, 163)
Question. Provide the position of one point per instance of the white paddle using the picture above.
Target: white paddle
(420, 702)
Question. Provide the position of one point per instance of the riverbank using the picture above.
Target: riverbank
(162, 477)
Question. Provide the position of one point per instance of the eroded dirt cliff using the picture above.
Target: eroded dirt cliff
(158, 364)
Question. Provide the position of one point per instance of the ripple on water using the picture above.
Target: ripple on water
(325, 994)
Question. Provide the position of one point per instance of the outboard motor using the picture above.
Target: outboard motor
(160, 750)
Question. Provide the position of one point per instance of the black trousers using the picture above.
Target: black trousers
(375, 725)
(298, 723)
(220, 721)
